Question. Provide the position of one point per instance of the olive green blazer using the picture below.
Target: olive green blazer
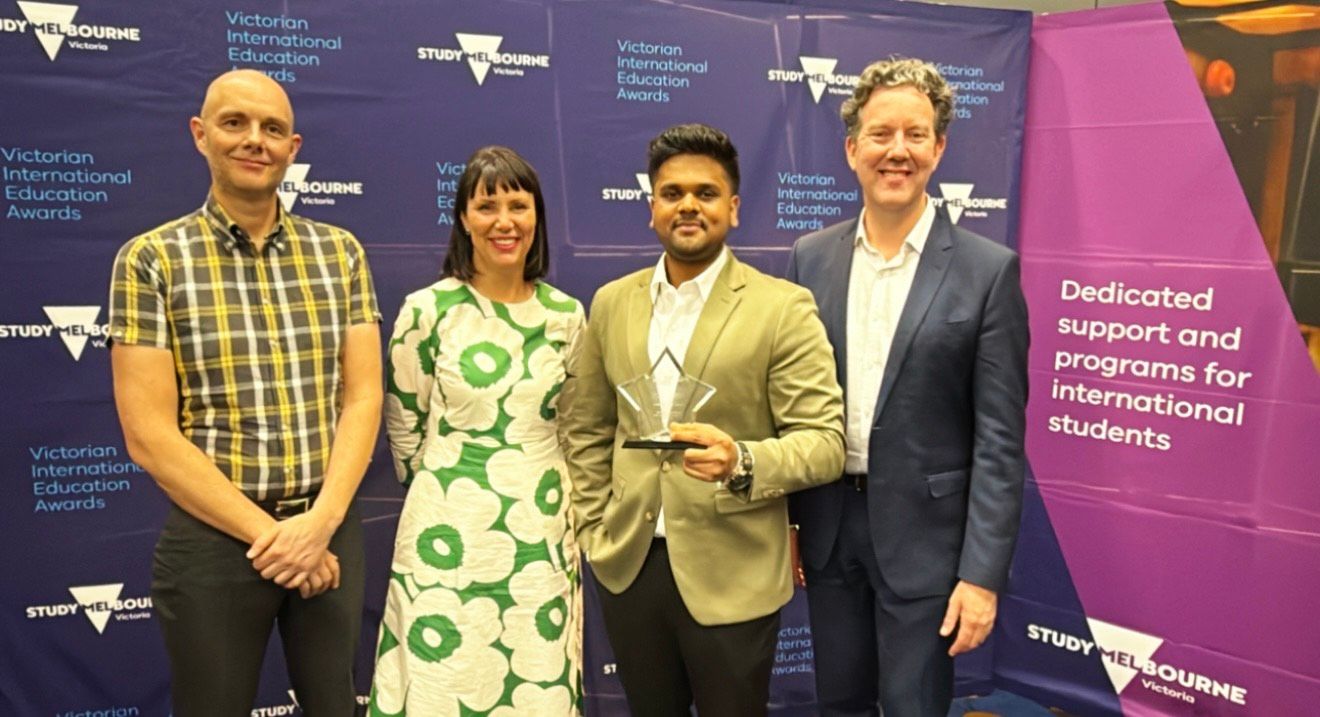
(760, 342)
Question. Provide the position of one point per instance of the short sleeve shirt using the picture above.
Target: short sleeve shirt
(255, 337)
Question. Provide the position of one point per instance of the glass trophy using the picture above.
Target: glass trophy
(653, 415)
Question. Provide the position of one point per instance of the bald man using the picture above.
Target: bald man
(246, 362)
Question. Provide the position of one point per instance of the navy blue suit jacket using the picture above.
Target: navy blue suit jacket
(946, 463)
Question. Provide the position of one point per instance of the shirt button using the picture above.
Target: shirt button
(649, 516)
(664, 466)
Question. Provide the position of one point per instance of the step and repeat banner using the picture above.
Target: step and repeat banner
(391, 98)
(1171, 530)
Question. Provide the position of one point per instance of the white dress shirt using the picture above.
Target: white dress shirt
(674, 314)
(877, 290)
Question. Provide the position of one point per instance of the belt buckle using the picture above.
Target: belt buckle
(294, 506)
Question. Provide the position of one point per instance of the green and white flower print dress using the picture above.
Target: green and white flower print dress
(483, 615)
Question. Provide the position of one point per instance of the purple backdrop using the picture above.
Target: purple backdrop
(391, 102)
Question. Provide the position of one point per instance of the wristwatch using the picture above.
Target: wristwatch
(741, 479)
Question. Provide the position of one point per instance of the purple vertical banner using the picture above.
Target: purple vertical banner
(1173, 404)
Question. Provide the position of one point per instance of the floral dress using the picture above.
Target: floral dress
(483, 614)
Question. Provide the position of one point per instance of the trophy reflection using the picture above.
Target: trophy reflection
(653, 414)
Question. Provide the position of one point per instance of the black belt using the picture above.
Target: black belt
(284, 508)
(856, 481)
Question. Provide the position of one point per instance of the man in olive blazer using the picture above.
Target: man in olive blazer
(692, 615)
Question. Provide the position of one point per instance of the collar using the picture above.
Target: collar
(705, 281)
(916, 236)
(231, 234)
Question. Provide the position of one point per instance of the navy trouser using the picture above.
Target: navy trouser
(873, 648)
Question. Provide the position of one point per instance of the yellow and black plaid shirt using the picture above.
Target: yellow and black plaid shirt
(255, 337)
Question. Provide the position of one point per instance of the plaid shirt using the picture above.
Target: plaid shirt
(255, 338)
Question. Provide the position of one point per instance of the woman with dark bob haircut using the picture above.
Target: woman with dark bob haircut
(483, 608)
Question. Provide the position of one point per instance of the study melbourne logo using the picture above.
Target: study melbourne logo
(1128, 654)
(293, 707)
(294, 186)
(53, 26)
(629, 194)
(74, 325)
(818, 74)
(98, 603)
(483, 56)
(957, 197)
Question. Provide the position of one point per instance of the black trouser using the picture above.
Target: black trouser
(876, 652)
(216, 612)
(667, 661)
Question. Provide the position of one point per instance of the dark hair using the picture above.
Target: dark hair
(700, 139)
(494, 168)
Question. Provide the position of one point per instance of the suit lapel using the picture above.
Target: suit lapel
(931, 268)
(639, 326)
(832, 296)
(719, 307)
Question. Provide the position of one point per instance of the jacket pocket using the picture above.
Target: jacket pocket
(726, 502)
(947, 483)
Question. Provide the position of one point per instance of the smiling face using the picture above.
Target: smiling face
(245, 131)
(895, 150)
(502, 226)
(692, 209)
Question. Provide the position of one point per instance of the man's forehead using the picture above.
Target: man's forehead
(689, 178)
(897, 116)
(696, 169)
(906, 119)
(247, 91)
(904, 96)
